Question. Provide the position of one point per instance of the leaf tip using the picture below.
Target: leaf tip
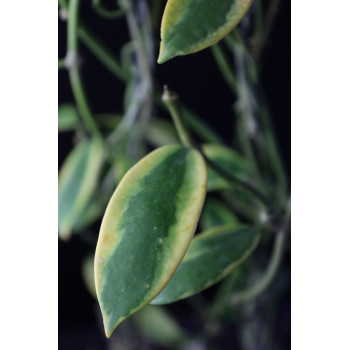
(164, 54)
(109, 328)
(108, 332)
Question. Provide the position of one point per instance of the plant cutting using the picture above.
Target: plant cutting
(180, 211)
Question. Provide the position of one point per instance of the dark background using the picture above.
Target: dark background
(201, 87)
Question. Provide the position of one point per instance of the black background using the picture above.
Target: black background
(201, 87)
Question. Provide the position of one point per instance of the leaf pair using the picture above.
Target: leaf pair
(147, 228)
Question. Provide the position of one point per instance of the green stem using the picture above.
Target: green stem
(274, 156)
(61, 63)
(268, 145)
(260, 38)
(171, 100)
(267, 278)
(106, 58)
(63, 4)
(139, 45)
(74, 75)
(102, 53)
(246, 104)
(258, 20)
(273, 266)
(222, 294)
(224, 66)
(72, 31)
(142, 41)
(99, 50)
(245, 185)
(198, 126)
(96, 4)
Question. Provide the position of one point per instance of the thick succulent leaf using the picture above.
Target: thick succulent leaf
(215, 213)
(230, 161)
(77, 181)
(67, 117)
(211, 256)
(146, 230)
(158, 325)
(192, 25)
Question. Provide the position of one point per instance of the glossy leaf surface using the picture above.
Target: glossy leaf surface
(192, 25)
(146, 230)
(211, 256)
(77, 181)
(230, 161)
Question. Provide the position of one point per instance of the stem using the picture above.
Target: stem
(260, 38)
(99, 50)
(258, 21)
(264, 282)
(246, 105)
(224, 66)
(139, 46)
(220, 300)
(74, 75)
(106, 58)
(61, 63)
(104, 12)
(63, 4)
(141, 38)
(246, 108)
(246, 185)
(171, 101)
(102, 53)
(73, 12)
(274, 156)
(264, 141)
(198, 126)
(267, 278)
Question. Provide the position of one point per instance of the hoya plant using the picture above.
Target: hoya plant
(173, 212)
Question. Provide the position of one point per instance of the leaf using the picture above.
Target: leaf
(159, 326)
(77, 180)
(88, 274)
(211, 256)
(230, 161)
(192, 25)
(215, 213)
(91, 212)
(67, 117)
(146, 230)
(161, 132)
